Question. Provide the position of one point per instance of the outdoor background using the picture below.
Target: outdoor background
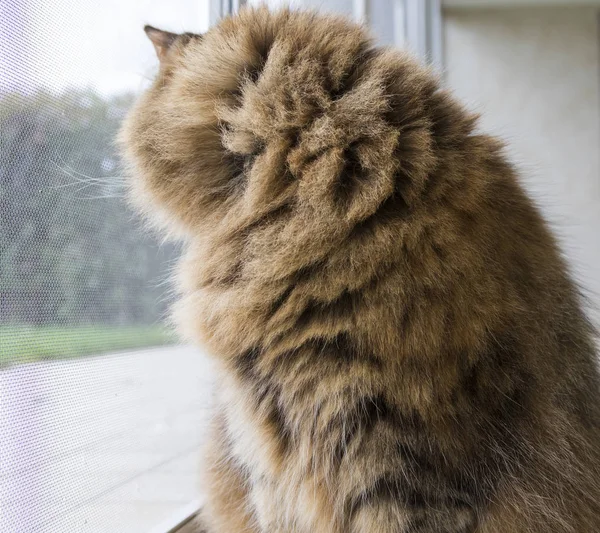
(78, 274)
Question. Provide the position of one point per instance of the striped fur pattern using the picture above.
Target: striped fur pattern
(400, 346)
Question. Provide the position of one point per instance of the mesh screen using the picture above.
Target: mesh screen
(100, 411)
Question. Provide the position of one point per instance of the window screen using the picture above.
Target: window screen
(101, 413)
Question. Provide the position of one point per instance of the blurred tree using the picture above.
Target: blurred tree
(71, 252)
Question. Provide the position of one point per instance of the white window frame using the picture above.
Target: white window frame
(222, 8)
(417, 25)
(422, 30)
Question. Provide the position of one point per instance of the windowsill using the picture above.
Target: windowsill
(181, 521)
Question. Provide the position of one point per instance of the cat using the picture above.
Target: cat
(400, 346)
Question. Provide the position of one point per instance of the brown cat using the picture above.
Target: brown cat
(401, 347)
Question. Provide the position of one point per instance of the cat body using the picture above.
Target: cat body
(399, 345)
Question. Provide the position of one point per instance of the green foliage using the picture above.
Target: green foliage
(24, 344)
(71, 252)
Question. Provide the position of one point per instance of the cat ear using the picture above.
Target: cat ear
(162, 40)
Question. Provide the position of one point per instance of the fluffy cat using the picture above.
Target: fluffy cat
(400, 346)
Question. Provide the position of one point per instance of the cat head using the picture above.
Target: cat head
(275, 110)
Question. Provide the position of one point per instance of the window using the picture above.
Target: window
(102, 413)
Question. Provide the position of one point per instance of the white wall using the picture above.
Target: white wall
(534, 75)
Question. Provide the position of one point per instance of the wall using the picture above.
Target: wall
(534, 75)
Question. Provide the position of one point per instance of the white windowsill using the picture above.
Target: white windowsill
(176, 522)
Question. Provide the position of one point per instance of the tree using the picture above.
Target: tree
(71, 252)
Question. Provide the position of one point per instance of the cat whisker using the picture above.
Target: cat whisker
(101, 197)
(85, 179)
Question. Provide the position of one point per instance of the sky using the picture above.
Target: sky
(86, 43)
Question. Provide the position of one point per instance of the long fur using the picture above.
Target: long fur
(401, 347)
